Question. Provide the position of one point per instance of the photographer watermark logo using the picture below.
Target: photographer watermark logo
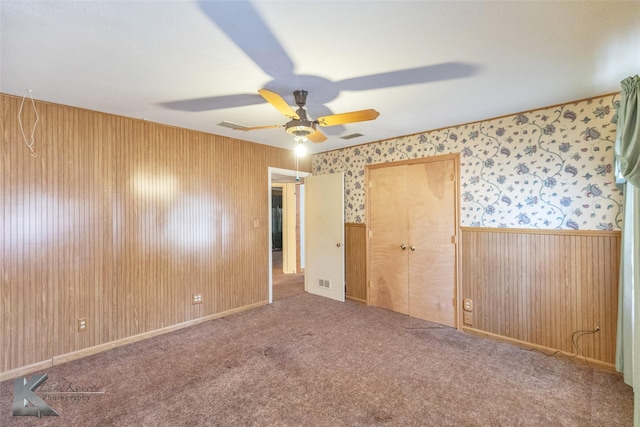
(26, 402)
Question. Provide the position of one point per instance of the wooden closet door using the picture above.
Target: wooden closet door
(432, 227)
(388, 269)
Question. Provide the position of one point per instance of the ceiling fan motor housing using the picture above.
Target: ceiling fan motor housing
(301, 126)
(300, 97)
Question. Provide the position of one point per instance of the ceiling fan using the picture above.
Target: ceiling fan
(300, 126)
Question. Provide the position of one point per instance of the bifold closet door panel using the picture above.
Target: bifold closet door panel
(388, 233)
(431, 219)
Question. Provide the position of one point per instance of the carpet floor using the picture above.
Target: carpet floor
(309, 361)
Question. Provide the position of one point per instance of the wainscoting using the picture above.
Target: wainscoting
(531, 287)
(355, 262)
(543, 287)
(120, 222)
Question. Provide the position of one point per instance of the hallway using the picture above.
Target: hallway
(284, 285)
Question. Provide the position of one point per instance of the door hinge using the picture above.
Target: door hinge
(454, 239)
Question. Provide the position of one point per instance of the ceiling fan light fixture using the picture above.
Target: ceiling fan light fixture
(300, 127)
(300, 150)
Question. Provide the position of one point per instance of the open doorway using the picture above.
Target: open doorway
(286, 226)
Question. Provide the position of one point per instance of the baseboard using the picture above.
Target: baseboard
(75, 355)
(547, 350)
(358, 300)
(25, 370)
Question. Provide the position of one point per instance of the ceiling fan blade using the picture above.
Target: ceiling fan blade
(352, 117)
(258, 127)
(279, 103)
(317, 136)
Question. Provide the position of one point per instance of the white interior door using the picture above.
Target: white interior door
(324, 244)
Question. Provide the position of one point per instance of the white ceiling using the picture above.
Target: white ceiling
(422, 64)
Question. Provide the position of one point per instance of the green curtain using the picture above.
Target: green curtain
(628, 159)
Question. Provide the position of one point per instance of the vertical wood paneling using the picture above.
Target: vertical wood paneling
(356, 261)
(120, 221)
(541, 287)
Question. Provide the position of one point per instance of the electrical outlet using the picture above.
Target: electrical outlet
(467, 318)
(256, 223)
(467, 304)
(82, 325)
(197, 299)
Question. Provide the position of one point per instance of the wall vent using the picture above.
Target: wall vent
(326, 284)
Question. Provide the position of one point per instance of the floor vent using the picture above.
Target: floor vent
(326, 284)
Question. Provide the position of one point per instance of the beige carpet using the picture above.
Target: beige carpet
(309, 361)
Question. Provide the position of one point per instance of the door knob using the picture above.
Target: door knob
(403, 246)
(413, 248)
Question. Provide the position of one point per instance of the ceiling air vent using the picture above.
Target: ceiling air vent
(353, 135)
(231, 125)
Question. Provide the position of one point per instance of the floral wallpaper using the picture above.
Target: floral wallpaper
(547, 169)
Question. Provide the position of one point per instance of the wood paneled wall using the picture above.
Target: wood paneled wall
(540, 287)
(355, 262)
(120, 221)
